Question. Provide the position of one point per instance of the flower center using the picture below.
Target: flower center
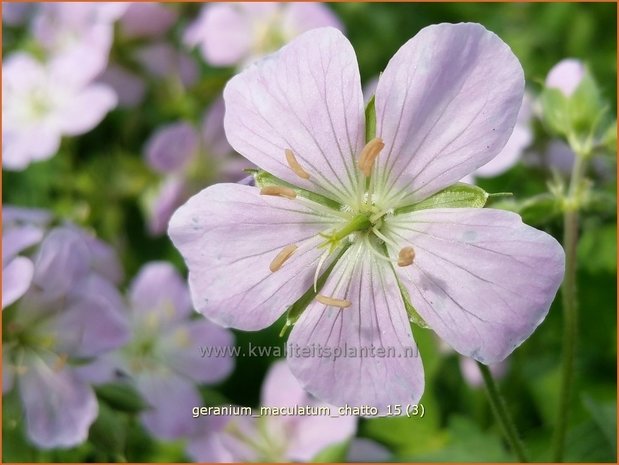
(364, 223)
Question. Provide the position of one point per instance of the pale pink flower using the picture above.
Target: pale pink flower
(285, 438)
(163, 358)
(566, 76)
(70, 314)
(481, 279)
(236, 33)
(41, 102)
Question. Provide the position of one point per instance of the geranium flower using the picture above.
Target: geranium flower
(296, 438)
(70, 314)
(231, 34)
(163, 359)
(363, 238)
(43, 102)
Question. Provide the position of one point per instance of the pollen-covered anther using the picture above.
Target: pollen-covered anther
(282, 256)
(333, 302)
(60, 363)
(280, 191)
(369, 154)
(406, 256)
(294, 165)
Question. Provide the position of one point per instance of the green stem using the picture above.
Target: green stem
(570, 306)
(502, 414)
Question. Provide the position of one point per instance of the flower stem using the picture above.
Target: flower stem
(502, 414)
(570, 306)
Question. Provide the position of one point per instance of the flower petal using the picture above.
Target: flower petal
(15, 239)
(314, 433)
(481, 278)
(223, 32)
(16, 279)
(87, 109)
(172, 146)
(94, 320)
(304, 16)
(59, 407)
(229, 235)
(375, 323)
(171, 398)
(158, 291)
(445, 105)
(182, 351)
(306, 97)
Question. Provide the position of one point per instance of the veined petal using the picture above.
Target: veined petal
(307, 98)
(229, 235)
(445, 105)
(481, 279)
(376, 320)
(59, 407)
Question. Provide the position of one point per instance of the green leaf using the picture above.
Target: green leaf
(597, 249)
(605, 417)
(108, 433)
(335, 453)
(264, 178)
(467, 443)
(460, 195)
(121, 396)
(370, 120)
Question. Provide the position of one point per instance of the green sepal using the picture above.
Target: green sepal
(580, 118)
(460, 195)
(121, 396)
(297, 308)
(264, 178)
(370, 120)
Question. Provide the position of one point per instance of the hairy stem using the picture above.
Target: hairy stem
(502, 414)
(570, 306)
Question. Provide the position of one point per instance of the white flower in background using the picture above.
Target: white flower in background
(41, 102)
(231, 34)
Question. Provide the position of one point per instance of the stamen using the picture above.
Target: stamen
(369, 154)
(295, 166)
(342, 303)
(278, 190)
(281, 257)
(406, 256)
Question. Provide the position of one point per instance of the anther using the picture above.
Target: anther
(278, 191)
(342, 303)
(294, 165)
(369, 154)
(281, 257)
(406, 256)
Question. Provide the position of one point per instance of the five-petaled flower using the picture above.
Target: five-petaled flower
(359, 218)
